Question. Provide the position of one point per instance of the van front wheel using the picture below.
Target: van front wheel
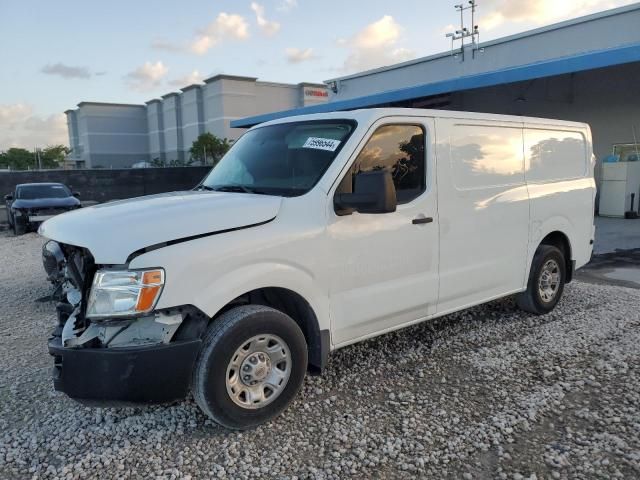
(251, 366)
(546, 281)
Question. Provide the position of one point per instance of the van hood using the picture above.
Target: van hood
(113, 231)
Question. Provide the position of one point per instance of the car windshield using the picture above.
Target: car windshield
(31, 192)
(285, 160)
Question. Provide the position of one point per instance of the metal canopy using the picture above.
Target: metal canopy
(548, 68)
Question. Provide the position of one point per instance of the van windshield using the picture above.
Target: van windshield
(285, 160)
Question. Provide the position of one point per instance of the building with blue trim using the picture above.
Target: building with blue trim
(586, 69)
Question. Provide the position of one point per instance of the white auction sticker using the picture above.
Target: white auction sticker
(328, 144)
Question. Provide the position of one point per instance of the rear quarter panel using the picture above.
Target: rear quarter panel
(563, 204)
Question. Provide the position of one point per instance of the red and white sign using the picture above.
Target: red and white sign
(315, 92)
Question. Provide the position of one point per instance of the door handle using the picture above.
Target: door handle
(422, 221)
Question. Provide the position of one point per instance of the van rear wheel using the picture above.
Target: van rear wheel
(546, 281)
(251, 366)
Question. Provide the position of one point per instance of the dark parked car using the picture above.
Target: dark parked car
(33, 203)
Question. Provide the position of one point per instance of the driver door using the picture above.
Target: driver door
(384, 267)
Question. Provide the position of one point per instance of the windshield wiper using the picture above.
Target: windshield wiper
(236, 188)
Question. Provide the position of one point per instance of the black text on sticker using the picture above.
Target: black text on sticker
(328, 144)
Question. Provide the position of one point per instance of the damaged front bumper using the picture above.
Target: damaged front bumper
(147, 374)
(126, 360)
(142, 360)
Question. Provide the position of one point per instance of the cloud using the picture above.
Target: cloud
(230, 25)
(382, 33)
(14, 111)
(297, 55)
(186, 80)
(66, 71)
(225, 26)
(287, 5)
(21, 127)
(448, 29)
(539, 11)
(376, 45)
(147, 77)
(268, 27)
(202, 44)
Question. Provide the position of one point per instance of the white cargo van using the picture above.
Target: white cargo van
(312, 233)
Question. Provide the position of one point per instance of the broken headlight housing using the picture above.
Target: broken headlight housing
(122, 293)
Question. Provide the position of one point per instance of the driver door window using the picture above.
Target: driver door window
(400, 149)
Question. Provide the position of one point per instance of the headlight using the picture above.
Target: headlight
(124, 292)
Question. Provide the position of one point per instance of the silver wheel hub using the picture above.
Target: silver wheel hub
(255, 368)
(258, 371)
(549, 281)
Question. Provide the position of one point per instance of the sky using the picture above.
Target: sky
(57, 54)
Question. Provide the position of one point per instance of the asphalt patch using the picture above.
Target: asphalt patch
(620, 268)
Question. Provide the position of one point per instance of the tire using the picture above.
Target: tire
(230, 345)
(19, 229)
(537, 299)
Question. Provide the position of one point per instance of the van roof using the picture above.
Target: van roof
(369, 115)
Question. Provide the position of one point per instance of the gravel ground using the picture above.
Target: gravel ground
(486, 393)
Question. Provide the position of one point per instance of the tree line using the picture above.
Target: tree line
(207, 149)
(22, 159)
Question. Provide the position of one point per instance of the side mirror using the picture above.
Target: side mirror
(8, 198)
(76, 194)
(374, 192)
